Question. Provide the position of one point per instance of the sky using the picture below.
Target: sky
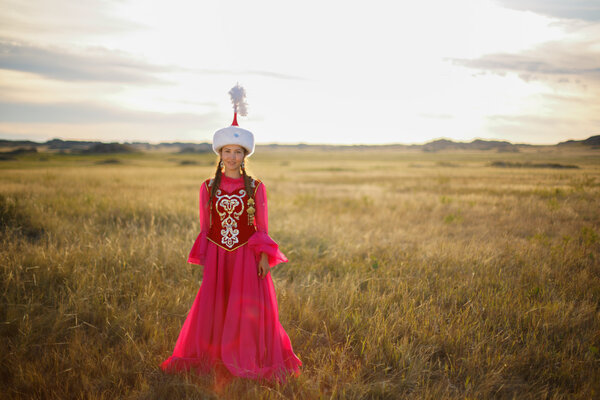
(339, 72)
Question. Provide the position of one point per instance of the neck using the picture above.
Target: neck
(234, 174)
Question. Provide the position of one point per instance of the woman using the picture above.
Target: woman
(233, 325)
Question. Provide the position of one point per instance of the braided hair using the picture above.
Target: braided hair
(247, 181)
(216, 182)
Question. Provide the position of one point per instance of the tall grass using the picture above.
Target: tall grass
(410, 275)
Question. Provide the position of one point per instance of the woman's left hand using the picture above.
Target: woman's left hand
(263, 266)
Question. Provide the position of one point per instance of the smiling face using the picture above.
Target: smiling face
(232, 156)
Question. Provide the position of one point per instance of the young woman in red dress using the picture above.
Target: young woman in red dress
(233, 325)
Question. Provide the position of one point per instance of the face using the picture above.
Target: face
(232, 156)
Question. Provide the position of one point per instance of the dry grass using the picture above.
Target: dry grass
(411, 275)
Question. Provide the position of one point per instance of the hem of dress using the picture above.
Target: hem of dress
(279, 373)
(184, 364)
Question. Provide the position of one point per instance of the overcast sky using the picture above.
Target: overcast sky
(527, 71)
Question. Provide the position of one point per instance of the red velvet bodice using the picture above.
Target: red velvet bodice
(230, 228)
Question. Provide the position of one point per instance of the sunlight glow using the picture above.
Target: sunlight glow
(338, 72)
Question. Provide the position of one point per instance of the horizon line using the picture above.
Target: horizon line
(307, 144)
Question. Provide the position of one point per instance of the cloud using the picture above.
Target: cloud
(557, 61)
(89, 65)
(555, 116)
(529, 120)
(542, 129)
(64, 20)
(587, 10)
(98, 64)
(91, 113)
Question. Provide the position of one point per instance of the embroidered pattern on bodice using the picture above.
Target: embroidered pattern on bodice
(229, 207)
(230, 225)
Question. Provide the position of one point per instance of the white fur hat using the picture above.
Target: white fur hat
(234, 134)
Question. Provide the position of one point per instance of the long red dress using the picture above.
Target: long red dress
(234, 320)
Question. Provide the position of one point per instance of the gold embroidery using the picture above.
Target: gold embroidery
(229, 208)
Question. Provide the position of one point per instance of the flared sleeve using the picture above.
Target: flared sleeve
(198, 253)
(260, 242)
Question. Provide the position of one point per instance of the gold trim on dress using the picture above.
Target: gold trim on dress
(225, 248)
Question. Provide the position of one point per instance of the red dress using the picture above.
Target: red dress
(234, 320)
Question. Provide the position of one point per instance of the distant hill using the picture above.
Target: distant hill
(478, 144)
(591, 141)
(76, 146)
(104, 148)
(17, 143)
(195, 148)
(58, 144)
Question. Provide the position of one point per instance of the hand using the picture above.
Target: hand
(263, 266)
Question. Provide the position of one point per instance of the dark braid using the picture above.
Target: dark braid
(216, 181)
(215, 185)
(247, 182)
(250, 192)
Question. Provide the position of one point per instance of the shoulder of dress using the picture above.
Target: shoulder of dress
(208, 183)
(255, 183)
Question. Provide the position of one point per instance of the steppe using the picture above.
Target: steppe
(412, 274)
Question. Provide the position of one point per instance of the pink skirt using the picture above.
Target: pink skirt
(234, 321)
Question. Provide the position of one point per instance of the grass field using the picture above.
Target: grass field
(411, 275)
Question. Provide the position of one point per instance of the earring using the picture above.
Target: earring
(243, 165)
(221, 165)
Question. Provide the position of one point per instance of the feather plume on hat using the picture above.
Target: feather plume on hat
(234, 134)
